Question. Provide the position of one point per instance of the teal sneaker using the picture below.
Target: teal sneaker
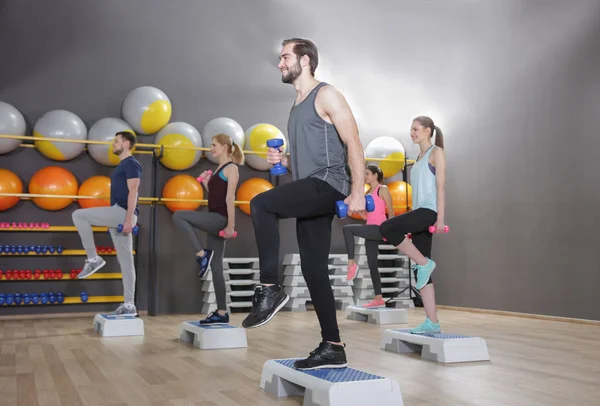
(427, 327)
(423, 274)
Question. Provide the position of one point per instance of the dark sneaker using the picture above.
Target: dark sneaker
(216, 318)
(204, 262)
(327, 355)
(267, 301)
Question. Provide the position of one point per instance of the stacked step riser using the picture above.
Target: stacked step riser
(295, 285)
(241, 276)
(393, 270)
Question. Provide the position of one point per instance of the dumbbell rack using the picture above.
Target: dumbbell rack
(52, 298)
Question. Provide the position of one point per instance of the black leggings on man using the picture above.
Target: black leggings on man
(312, 202)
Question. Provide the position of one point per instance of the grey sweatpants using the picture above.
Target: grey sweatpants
(109, 217)
(372, 237)
(211, 223)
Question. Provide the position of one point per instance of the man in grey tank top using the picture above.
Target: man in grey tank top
(327, 164)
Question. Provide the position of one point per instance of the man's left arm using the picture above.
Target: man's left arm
(133, 175)
(336, 107)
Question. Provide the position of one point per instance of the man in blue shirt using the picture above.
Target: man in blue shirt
(123, 209)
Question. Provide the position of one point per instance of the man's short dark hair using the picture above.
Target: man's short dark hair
(128, 136)
(305, 47)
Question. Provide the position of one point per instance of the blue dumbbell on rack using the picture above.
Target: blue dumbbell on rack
(60, 297)
(341, 208)
(134, 230)
(277, 168)
(84, 297)
(2, 300)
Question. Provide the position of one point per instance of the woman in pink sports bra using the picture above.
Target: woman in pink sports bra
(370, 231)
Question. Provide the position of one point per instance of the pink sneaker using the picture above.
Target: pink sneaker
(375, 303)
(352, 270)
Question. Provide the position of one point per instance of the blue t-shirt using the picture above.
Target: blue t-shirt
(128, 168)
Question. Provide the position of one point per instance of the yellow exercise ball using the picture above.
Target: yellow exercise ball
(60, 124)
(179, 135)
(256, 140)
(147, 109)
(105, 130)
(388, 148)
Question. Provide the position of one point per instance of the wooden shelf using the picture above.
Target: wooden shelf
(64, 253)
(53, 228)
(67, 277)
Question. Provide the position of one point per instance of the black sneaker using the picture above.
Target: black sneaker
(267, 301)
(204, 262)
(327, 355)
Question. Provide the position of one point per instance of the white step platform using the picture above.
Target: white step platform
(212, 336)
(439, 347)
(329, 387)
(118, 326)
(379, 315)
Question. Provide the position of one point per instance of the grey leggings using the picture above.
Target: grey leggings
(372, 237)
(211, 223)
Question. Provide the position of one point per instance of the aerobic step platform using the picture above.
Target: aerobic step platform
(439, 347)
(213, 336)
(329, 387)
(379, 315)
(118, 326)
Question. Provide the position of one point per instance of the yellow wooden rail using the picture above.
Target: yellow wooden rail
(64, 253)
(152, 146)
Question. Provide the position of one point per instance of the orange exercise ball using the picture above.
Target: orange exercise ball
(53, 180)
(249, 189)
(399, 196)
(9, 183)
(97, 186)
(182, 187)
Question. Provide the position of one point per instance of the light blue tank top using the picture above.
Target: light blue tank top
(422, 180)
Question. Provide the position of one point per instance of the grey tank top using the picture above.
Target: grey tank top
(316, 149)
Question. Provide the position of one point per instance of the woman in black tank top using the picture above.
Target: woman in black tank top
(218, 222)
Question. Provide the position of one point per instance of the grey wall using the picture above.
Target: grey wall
(514, 84)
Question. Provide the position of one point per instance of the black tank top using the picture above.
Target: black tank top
(217, 193)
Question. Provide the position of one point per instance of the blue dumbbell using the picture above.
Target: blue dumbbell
(26, 249)
(10, 299)
(134, 230)
(44, 249)
(342, 208)
(277, 169)
(35, 299)
(2, 299)
(18, 298)
(26, 299)
(51, 249)
(13, 249)
(60, 297)
(59, 249)
(19, 249)
(6, 249)
(84, 297)
(44, 300)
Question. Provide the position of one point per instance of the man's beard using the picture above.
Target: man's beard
(117, 152)
(292, 74)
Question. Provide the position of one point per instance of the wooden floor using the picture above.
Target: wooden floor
(60, 362)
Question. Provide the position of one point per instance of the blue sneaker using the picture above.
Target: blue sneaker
(216, 318)
(204, 262)
(427, 327)
(423, 274)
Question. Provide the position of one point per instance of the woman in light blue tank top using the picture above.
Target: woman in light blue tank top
(427, 178)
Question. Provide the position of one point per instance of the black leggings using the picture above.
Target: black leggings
(372, 236)
(417, 223)
(211, 223)
(312, 202)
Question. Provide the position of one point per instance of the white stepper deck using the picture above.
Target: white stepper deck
(329, 387)
(439, 347)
